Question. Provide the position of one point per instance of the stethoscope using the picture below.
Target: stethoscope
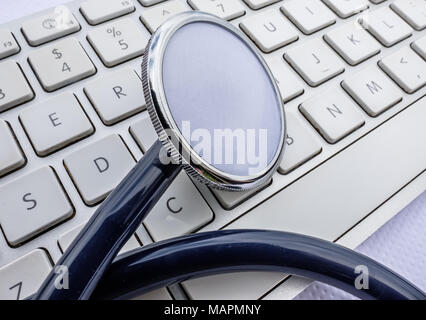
(202, 72)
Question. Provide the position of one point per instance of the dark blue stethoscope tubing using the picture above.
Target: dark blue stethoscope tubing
(176, 260)
(113, 223)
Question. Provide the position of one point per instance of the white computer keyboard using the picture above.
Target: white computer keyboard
(73, 122)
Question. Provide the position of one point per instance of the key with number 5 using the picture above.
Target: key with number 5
(118, 41)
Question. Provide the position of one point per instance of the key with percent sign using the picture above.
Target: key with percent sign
(119, 41)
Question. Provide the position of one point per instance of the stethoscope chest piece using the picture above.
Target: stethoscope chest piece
(213, 102)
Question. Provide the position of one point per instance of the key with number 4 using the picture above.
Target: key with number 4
(118, 41)
(61, 64)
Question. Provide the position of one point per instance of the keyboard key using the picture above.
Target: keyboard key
(55, 123)
(269, 30)
(347, 8)
(373, 90)
(118, 41)
(61, 64)
(257, 4)
(66, 239)
(333, 114)
(159, 294)
(308, 15)
(181, 210)
(99, 167)
(289, 84)
(23, 277)
(56, 24)
(116, 96)
(36, 198)
(153, 17)
(97, 11)
(420, 47)
(224, 9)
(233, 286)
(144, 133)
(301, 146)
(315, 62)
(8, 44)
(14, 89)
(147, 3)
(229, 200)
(406, 68)
(412, 11)
(386, 26)
(353, 43)
(11, 155)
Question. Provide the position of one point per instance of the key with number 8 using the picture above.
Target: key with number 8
(61, 64)
(118, 41)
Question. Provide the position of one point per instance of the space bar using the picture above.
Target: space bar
(338, 194)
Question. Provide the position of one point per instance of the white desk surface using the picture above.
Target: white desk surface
(400, 244)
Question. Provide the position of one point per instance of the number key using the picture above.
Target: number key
(118, 41)
(61, 64)
(14, 88)
(228, 10)
(22, 278)
(96, 12)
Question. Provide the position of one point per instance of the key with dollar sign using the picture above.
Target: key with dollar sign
(61, 64)
(57, 54)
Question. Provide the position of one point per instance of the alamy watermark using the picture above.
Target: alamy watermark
(238, 147)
